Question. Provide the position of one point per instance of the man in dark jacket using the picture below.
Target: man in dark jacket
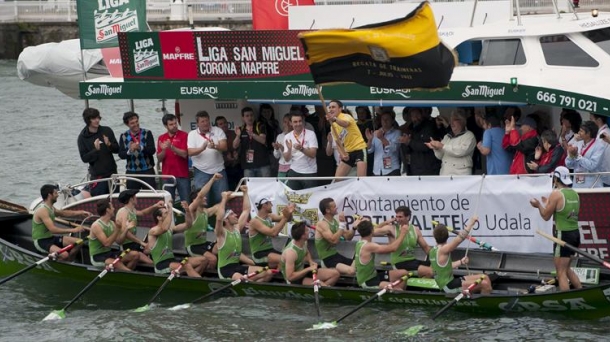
(96, 144)
(422, 128)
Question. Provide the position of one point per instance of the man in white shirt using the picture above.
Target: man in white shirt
(205, 147)
(300, 148)
(603, 130)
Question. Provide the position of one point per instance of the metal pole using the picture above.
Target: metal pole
(518, 12)
(474, 10)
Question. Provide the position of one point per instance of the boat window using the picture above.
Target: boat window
(502, 52)
(600, 37)
(469, 52)
(560, 50)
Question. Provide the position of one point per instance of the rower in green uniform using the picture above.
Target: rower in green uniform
(367, 275)
(232, 263)
(563, 205)
(44, 231)
(329, 232)
(101, 237)
(160, 242)
(443, 265)
(262, 229)
(294, 255)
(404, 257)
(195, 238)
(129, 213)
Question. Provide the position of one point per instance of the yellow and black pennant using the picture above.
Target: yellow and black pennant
(404, 53)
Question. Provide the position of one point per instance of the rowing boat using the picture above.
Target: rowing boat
(515, 273)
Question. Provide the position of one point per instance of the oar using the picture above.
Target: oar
(330, 325)
(574, 249)
(220, 289)
(61, 314)
(459, 297)
(70, 223)
(316, 285)
(51, 256)
(172, 274)
(481, 243)
(13, 207)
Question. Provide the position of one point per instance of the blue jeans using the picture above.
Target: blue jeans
(183, 185)
(214, 196)
(263, 171)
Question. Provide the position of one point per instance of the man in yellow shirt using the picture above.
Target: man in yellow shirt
(352, 147)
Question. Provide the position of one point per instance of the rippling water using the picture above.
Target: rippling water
(38, 131)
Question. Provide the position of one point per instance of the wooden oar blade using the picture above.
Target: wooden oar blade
(322, 326)
(55, 315)
(180, 307)
(142, 308)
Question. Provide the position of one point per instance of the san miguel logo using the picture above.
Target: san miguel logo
(103, 89)
(482, 90)
(145, 57)
(299, 89)
(111, 17)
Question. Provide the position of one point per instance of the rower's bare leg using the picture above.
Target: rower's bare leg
(188, 268)
(145, 259)
(68, 240)
(263, 277)
(564, 273)
(424, 272)
(346, 269)
(273, 260)
(199, 263)
(328, 276)
(212, 260)
(574, 280)
(63, 256)
(484, 287)
(131, 259)
(395, 275)
(118, 266)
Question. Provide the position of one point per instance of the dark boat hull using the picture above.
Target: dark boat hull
(590, 303)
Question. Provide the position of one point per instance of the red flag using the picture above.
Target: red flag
(273, 14)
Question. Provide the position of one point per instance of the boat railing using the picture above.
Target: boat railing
(225, 10)
(115, 182)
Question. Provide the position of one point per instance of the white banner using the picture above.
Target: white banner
(506, 219)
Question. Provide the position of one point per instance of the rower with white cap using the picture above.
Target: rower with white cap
(232, 263)
(263, 227)
(563, 205)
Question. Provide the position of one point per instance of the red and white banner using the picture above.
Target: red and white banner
(273, 14)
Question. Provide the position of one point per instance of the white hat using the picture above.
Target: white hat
(563, 174)
(263, 201)
(228, 212)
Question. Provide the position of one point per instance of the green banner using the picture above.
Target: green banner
(99, 22)
(144, 54)
(305, 92)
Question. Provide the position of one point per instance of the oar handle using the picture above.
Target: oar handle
(66, 222)
(574, 249)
